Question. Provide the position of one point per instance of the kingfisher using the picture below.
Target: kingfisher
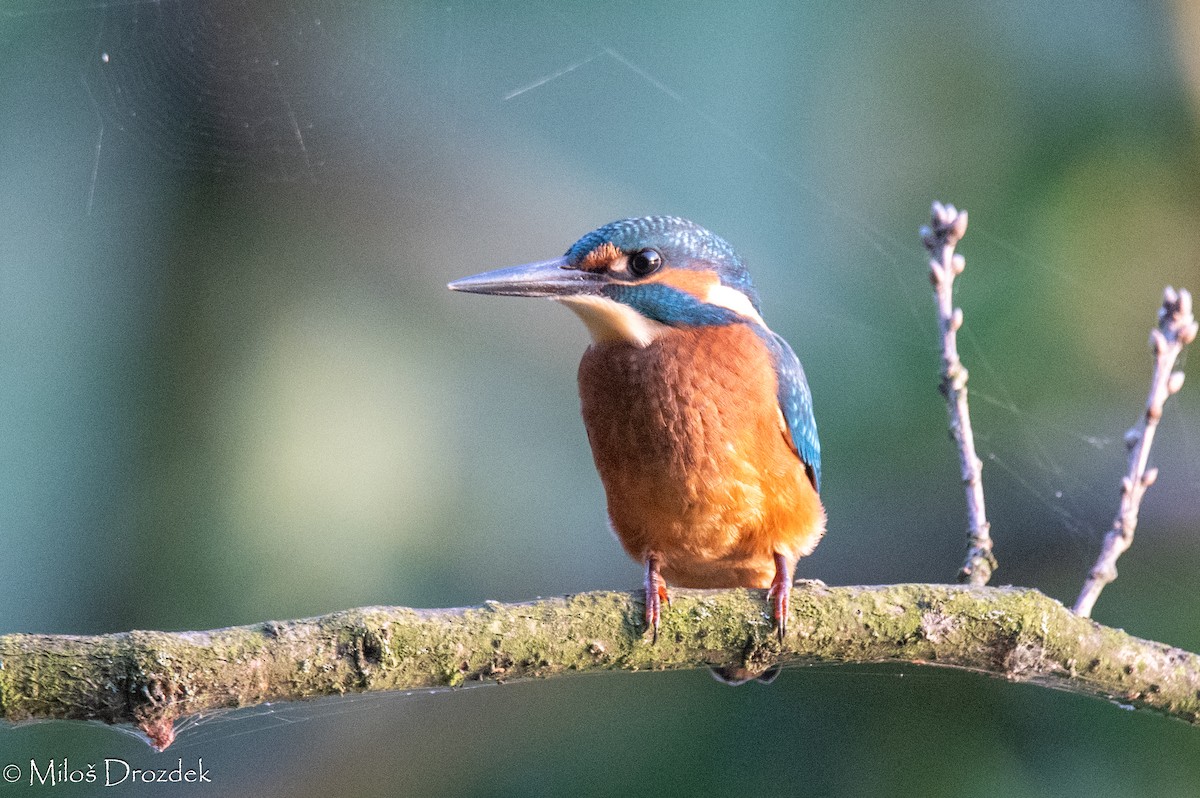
(700, 418)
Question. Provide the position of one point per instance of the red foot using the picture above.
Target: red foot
(780, 592)
(656, 594)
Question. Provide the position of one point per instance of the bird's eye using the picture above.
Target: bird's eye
(644, 261)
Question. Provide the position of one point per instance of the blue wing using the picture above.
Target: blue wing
(795, 400)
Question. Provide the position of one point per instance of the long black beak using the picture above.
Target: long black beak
(548, 278)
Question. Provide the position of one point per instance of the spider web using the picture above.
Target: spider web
(230, 87)
(225, 86)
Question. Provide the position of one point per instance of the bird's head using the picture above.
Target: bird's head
(634, 279)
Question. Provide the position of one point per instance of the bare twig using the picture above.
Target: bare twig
(1176, 329)
(945, 230)
(151, 679)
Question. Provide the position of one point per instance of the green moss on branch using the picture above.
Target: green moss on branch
(150, 679)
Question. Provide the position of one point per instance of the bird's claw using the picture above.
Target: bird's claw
(780, 593)
(656, 594)
(778, 597)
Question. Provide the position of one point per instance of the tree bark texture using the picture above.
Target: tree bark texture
(150, 679)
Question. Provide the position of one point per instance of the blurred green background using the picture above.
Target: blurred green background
(235, 388)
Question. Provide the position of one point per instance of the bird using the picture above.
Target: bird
(699, 416)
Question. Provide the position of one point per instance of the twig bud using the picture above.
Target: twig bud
(1158, 341)
(960, 225)
(1149, 477)
(1175, 382)
(1188, 333)
(1175, 317)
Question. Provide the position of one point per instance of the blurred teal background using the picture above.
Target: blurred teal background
(235, 388)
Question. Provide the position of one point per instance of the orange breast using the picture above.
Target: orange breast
(693, 452)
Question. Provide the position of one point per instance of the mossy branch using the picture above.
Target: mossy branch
(150, 679)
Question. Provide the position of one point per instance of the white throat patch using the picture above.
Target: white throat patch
(733, 299)
(609, 321)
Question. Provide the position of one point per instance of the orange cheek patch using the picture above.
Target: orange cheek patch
(599, 258)
(697, 284)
